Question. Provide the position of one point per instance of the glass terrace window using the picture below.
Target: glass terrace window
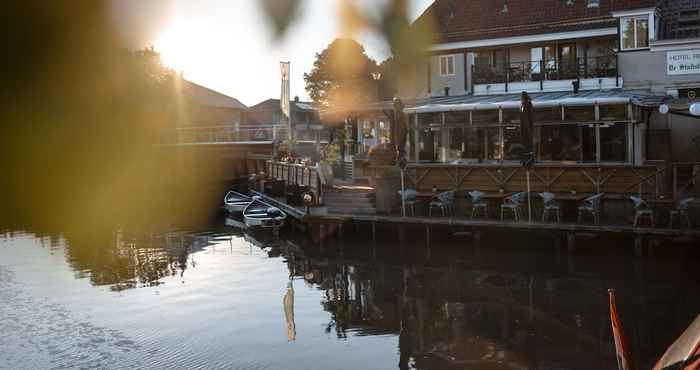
(634, 32)
(447, 65)
(429, 136)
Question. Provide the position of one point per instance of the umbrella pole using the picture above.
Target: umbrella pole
(529, 203)
(403, 198)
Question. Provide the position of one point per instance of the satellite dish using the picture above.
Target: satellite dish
(694, 109)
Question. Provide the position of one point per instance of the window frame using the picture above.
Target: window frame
(447, 59)
(635, 18)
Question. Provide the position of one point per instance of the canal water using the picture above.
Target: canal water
(214, 298)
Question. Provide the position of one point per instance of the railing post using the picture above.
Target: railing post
(542, 75)
(507, 78)
(617, 70)
(675, 182)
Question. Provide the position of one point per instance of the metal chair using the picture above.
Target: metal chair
(478, 202)
(642, 210)
(409, 197)
(591, 205)
(444, 202)
(550, 205)
(512, 203)
(681, 210)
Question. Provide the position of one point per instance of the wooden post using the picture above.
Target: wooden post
(638, 246)
(427, 235)
(571, 241)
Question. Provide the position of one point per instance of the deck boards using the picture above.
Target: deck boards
(510, 225)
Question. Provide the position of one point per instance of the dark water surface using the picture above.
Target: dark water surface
(213, 298)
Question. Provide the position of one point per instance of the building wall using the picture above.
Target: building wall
(213, 116)
(646, 69)
(455, 82)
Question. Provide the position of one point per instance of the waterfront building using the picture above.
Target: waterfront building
(597, 73)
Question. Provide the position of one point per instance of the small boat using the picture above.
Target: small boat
(235, 202)
(261, 214)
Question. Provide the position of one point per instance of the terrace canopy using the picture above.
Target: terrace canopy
(588, 127)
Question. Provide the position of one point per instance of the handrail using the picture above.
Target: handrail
(546, 70)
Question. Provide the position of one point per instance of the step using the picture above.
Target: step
(352, 210)
(359, 197)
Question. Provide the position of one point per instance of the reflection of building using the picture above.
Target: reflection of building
(499, 311)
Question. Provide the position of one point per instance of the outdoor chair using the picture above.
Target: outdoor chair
(550, 205)
(478, 202)
(591, 205)
(681, 210)
(409, 197)
(512, 203)
(444, 202)
(642, 210)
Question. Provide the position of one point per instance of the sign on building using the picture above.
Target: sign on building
(683, 62)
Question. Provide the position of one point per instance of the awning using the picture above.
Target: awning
(539, 100)
(505, 101)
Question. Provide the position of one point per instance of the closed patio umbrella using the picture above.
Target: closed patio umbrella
(526, 129)
(684, 353)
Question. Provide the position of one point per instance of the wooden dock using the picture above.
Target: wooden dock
(511, 225)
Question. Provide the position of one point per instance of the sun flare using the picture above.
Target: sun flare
(179, 47)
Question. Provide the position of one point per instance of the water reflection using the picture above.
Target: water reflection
(504, 309)
(494, 305)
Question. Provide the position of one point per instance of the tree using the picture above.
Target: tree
(342, 75)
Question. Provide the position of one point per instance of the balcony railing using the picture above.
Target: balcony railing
(223, 134)
(546, 70)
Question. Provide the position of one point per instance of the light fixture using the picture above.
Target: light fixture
(376, 75)
(695, 109)
(663, 109)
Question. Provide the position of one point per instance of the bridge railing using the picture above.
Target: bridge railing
(223, 134)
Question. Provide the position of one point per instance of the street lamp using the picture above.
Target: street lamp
(376, 76)
(693, 109)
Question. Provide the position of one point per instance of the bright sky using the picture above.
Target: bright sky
(227, 45)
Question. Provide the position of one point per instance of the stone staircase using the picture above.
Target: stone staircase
(350, 200)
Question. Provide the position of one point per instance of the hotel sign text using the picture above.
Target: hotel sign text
(683, 62)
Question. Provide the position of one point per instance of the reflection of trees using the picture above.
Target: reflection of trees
(491, 314)
(123, 261)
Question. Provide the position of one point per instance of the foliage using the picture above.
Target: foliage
(390, 19)
(287, 149)
(80, 114)
(342, 75)
(331, 154)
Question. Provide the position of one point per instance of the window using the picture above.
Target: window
(634, 32)
(593, 3)
(447, 65)
(429, 143)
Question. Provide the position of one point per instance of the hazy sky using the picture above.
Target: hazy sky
(228, 45)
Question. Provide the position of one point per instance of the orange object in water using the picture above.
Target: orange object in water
(624, 361)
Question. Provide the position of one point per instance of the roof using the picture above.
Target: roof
(208, 97)
(511, 101)
(467, 20)
(273, 104)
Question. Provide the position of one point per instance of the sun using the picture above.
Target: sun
(178, 47)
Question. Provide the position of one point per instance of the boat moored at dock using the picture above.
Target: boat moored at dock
(259, 214)
(235, 202)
